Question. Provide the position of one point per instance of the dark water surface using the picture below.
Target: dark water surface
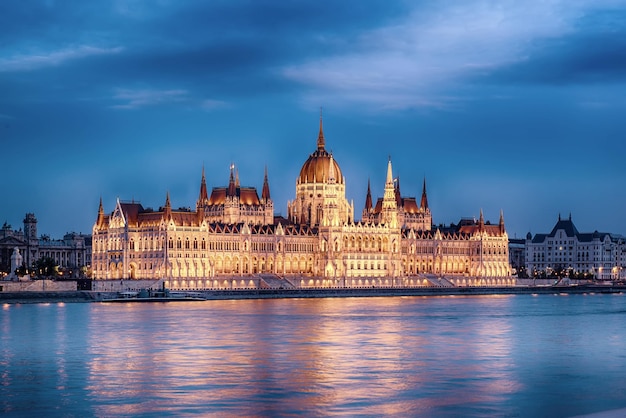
(514, 356)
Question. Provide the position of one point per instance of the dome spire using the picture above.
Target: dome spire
(320, 137)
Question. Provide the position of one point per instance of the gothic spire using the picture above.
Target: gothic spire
(424, 201)
(265, 193)
(167, 210)
(397, 191)
(100, 220)
(320, 136)
(389, 181)
(501, 223)
(231, 182)
(203, 199)
(368, 197)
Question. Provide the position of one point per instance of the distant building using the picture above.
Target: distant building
(517, 255)
(71, 253)
(233, 240)
(599, 255)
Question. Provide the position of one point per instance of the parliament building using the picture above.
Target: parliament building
(233, 240)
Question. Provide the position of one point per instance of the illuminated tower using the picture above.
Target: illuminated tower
(390, 206)
(320, 190)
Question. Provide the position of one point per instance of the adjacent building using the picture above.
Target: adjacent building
(594, 255)
(233, 239)
(517, 256)
(72, 253)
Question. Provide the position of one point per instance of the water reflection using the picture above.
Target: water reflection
(410, 356)
(344, 356)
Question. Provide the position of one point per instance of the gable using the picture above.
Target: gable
(12, 242)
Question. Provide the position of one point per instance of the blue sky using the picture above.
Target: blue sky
(513, 106)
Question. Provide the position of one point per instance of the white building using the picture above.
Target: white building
(598, 255)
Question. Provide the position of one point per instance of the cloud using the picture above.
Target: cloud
(423, 59)
(582, 59)
(36, 61)
(139, 98)
(135, 99)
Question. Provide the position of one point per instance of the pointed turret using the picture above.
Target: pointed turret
(100, 220)
(167, 210)
(320, 137)
(389, 215)
(232, 191)
(389, 180)
(501, 223)
(397, 192)
(237, 184)
(481, 220)
(203, 198)
(265, 193)
(390, 194)
(424, 201)
(331, 171)
(368, 198)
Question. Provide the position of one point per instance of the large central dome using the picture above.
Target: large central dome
(316, 169)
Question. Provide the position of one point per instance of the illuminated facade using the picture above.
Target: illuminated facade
(601, 255)
(233, 240)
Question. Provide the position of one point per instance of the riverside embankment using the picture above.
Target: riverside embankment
(90, 296)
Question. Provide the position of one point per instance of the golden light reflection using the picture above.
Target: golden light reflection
(376, 356)
(321, 355)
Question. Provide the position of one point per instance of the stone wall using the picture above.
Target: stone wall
(38, 286)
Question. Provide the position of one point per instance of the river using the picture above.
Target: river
(512, 355)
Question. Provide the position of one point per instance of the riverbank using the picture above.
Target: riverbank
(48, 297)
(90, 296)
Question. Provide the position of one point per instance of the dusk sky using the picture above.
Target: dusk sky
(517, 106)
